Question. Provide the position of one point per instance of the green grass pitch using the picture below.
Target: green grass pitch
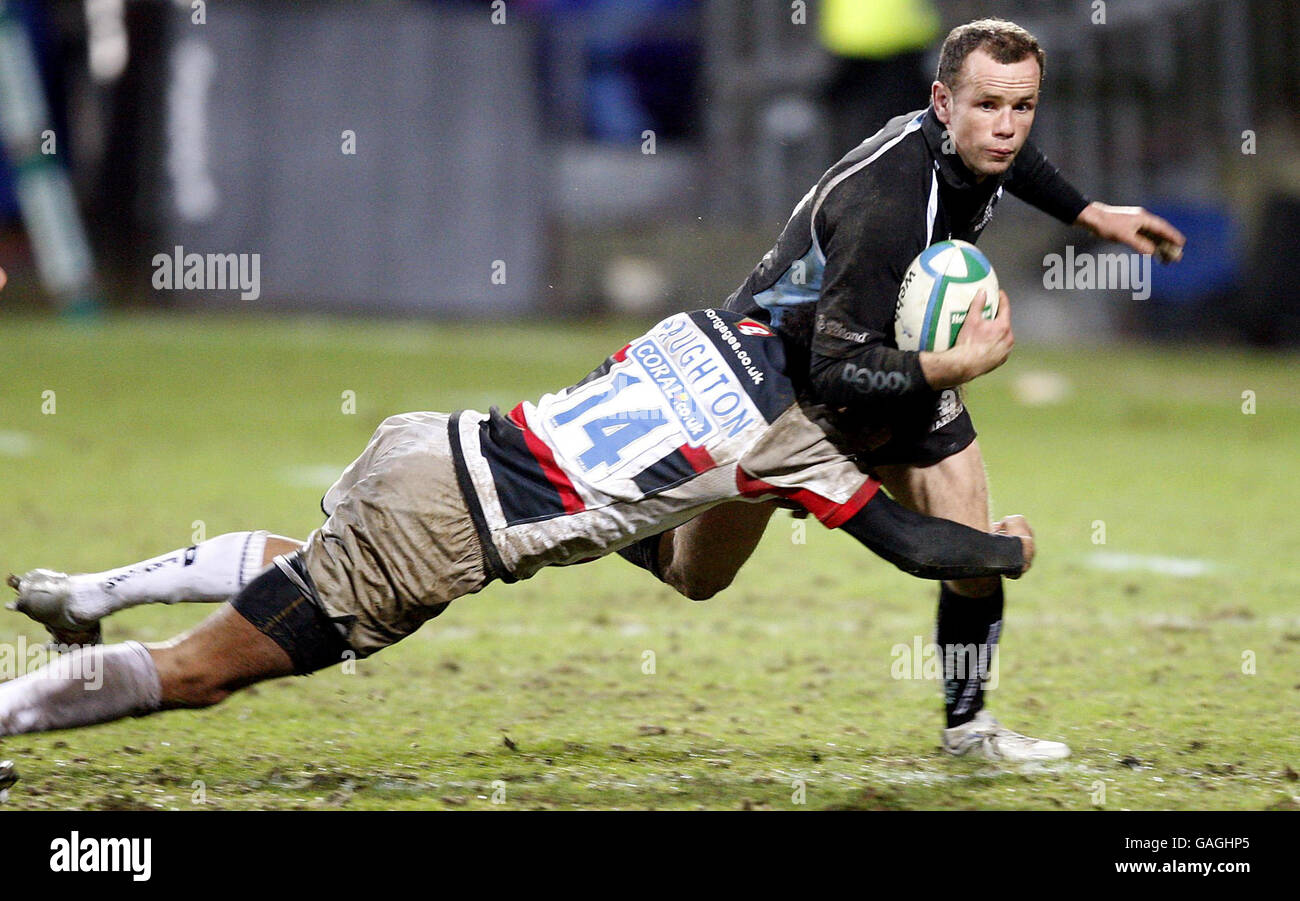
(594, 686)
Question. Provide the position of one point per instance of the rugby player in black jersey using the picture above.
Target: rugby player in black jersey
(829, 286)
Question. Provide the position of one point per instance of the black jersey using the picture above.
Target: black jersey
(830, 285)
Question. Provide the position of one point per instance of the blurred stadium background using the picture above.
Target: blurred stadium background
(625, 156)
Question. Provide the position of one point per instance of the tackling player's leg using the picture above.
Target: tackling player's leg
(212, 571)
(399, 544)
(270, 629)
(970, 611)
(701, 557)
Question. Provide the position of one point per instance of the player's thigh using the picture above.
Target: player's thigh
(399, 543)
(222, 654)
(954, 488)
(277, 545)
(709, 550)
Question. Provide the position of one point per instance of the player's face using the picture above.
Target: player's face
(990, 114)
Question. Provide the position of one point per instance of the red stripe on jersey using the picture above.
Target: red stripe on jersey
(699, 458)
(545, 459)
(850, 508)
(620, 355)
(831, 514)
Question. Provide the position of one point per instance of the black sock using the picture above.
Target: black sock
(645, 554)
(967, 634)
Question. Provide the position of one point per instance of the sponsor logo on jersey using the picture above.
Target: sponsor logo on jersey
(866, 379)
(655, 361)
(756, 329)
(729, 338)
(837, 329)
(987, 215)
(682, 361)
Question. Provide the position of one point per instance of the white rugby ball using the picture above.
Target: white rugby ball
(937, 292)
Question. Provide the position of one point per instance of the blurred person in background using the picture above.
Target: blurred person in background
(879, 49)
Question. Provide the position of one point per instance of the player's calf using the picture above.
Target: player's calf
(270, 629)
(222, 655)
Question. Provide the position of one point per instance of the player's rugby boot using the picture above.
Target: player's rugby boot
(986, 737)
(44, 595)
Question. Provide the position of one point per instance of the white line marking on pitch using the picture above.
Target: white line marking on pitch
(16, 444)
(1181, 567)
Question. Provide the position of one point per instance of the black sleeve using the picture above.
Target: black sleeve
(1037, 182)
(932, 548)
(869, 238)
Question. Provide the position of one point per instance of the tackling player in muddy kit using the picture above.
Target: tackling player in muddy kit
(695, 412)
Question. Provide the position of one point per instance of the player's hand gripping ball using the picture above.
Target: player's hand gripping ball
(937, 292)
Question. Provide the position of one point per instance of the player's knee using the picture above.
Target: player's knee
(698, 586)
(975, 588)
(189, 680)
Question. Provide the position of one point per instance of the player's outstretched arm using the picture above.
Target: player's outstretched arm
(1133, 226)
(1036, 181)
(933, 548)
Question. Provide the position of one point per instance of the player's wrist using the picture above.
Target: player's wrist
(948, 368)
(1088, 216)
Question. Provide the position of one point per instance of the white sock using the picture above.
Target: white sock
(209, 572)
(95, 684)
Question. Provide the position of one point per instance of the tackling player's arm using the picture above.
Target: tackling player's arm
(933, 548)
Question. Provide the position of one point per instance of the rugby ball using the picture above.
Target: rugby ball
(937, 292)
